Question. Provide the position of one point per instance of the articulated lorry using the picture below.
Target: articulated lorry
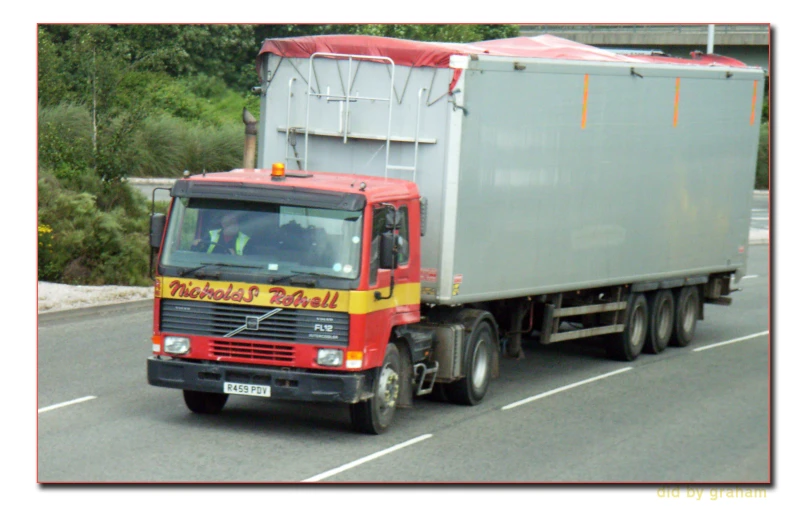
(417, 210)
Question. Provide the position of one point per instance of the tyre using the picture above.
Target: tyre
(686, 316)
(374, 416)
(477, 365)
(628, 344)
(662, 318)
(204, 403)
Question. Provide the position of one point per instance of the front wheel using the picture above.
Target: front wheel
(374, 416)
(478, 366)
(204, 403)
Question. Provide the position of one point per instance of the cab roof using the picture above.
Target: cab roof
(376, 189)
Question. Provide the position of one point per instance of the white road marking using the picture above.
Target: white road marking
(68, 403)
(751, 276)
(731, 341)
(363, 460)
(567, 387)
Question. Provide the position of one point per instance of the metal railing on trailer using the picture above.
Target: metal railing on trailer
(344, 101)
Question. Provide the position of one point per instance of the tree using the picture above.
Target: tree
(425, 32)
(220, 51)
(441, 33)
(97, 67)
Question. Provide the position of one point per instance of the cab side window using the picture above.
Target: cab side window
(403, 236)
(379, 222)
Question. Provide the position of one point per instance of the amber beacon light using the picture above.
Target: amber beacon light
(278, 171)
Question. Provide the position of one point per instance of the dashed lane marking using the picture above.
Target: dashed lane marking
(68, 403)
(731, 341)
(567, 387)
(364, 460)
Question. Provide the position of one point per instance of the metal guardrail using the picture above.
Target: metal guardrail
(739, 28)
(747, 35)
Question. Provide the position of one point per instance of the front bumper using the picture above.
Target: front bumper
(295, 385)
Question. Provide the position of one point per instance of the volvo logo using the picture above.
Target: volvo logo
(254, 322)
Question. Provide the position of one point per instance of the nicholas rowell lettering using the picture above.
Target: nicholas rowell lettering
(298, 299)
(187, 290)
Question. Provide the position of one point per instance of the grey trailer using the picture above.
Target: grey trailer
(566, 190)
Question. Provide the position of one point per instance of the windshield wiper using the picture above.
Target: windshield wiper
(191, 270)
(294, 274)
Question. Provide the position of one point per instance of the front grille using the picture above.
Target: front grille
(260, 351)
(219, 320)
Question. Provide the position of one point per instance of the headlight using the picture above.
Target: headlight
(329, 357)
(176, 345)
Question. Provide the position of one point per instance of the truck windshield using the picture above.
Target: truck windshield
(211, 236)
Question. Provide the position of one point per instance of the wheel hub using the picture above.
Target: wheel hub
(637, 327)
(689, 315)
(480, 365)
(389, 387)
(665, 323)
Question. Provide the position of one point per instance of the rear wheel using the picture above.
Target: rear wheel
(375, 415)
(686, 316)
(478, 366)
(204, 403)
(628, 344)
(662, 317)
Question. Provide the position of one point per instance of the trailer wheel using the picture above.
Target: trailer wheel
(478, 366)
(628, 344)
(204, 403)
(662, 317)
(375, 415)
(686, 316)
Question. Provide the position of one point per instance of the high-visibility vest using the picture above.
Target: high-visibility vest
(240, 241)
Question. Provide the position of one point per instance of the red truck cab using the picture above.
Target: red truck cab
(303, 301)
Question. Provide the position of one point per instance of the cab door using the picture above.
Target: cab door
(395, 219)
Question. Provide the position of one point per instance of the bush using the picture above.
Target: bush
(81, 244)
(207, 87)
(213, 149)
(65, 140)
(165, 147)
(763, 158)
(45, 264)
(157, 149)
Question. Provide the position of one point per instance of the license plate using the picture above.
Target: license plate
(244, 389)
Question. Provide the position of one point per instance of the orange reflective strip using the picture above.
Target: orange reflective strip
(677, 96)
(585, 101)
(753, 103)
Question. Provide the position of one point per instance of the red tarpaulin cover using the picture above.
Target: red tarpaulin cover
(434, 54)
(412, 53)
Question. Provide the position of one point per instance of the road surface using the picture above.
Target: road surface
(565, 413)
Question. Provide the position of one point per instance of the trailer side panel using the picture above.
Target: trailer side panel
(583, 175)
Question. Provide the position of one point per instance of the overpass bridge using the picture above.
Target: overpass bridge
(748, 43)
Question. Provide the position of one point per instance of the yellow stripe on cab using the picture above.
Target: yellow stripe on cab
(343, 301)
